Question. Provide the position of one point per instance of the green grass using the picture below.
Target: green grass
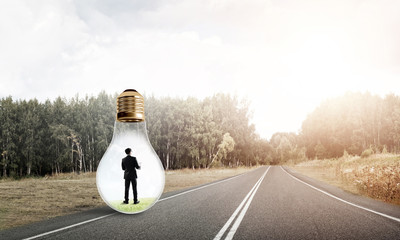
(132, 208)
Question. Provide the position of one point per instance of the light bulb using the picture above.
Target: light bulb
(130, 132)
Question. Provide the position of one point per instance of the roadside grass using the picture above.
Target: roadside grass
(34, 199)
(184, 178)
(376, 176)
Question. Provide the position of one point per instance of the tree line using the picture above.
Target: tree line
(194, 133)
(71, 135)
(352, 124)
(54, 136)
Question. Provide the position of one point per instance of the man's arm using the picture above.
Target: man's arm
(136, 164)
(123, 165)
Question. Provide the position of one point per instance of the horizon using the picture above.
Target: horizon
(268, 138)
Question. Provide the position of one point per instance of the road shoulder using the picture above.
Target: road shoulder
(379, 206)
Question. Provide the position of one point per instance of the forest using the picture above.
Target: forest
(71, 135)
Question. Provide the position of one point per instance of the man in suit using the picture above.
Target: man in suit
(129, 165)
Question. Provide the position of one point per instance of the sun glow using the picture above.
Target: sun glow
(320, 65)
(285, 56)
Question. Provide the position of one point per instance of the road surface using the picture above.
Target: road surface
(267, 203)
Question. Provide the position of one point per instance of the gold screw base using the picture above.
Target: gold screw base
(130, 106)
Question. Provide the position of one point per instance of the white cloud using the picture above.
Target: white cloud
(285, 56)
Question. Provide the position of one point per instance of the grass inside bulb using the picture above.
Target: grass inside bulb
(130, 132)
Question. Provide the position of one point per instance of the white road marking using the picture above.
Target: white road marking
(243, 211)
(342, 200)
(195, 189)
(70, 226)
(101, 217)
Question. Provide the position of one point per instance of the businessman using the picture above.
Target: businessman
(129, 165)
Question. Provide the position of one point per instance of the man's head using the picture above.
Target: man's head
(128, 151)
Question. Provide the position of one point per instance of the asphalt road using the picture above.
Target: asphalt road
(267, 203)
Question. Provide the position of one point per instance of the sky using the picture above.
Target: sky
(284, 56)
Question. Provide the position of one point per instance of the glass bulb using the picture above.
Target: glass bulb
(130, 132)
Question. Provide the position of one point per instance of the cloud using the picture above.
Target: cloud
(35, 37)
(285, 56)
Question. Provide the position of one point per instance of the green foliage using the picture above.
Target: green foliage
(71, 135)
(285, 146)
(189, 133)
(53, 137)
(367, 152)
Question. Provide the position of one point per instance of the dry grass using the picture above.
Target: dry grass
(34, 199)
(29, 200)
(377, 176)
(180, 179)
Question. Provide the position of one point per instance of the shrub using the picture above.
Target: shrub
(345, 154)
(382, 182)
(384, 150)
(367, 152)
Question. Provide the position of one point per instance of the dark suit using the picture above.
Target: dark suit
(129, 165)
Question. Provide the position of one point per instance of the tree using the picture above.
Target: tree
(8, 137)
(226, 146)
